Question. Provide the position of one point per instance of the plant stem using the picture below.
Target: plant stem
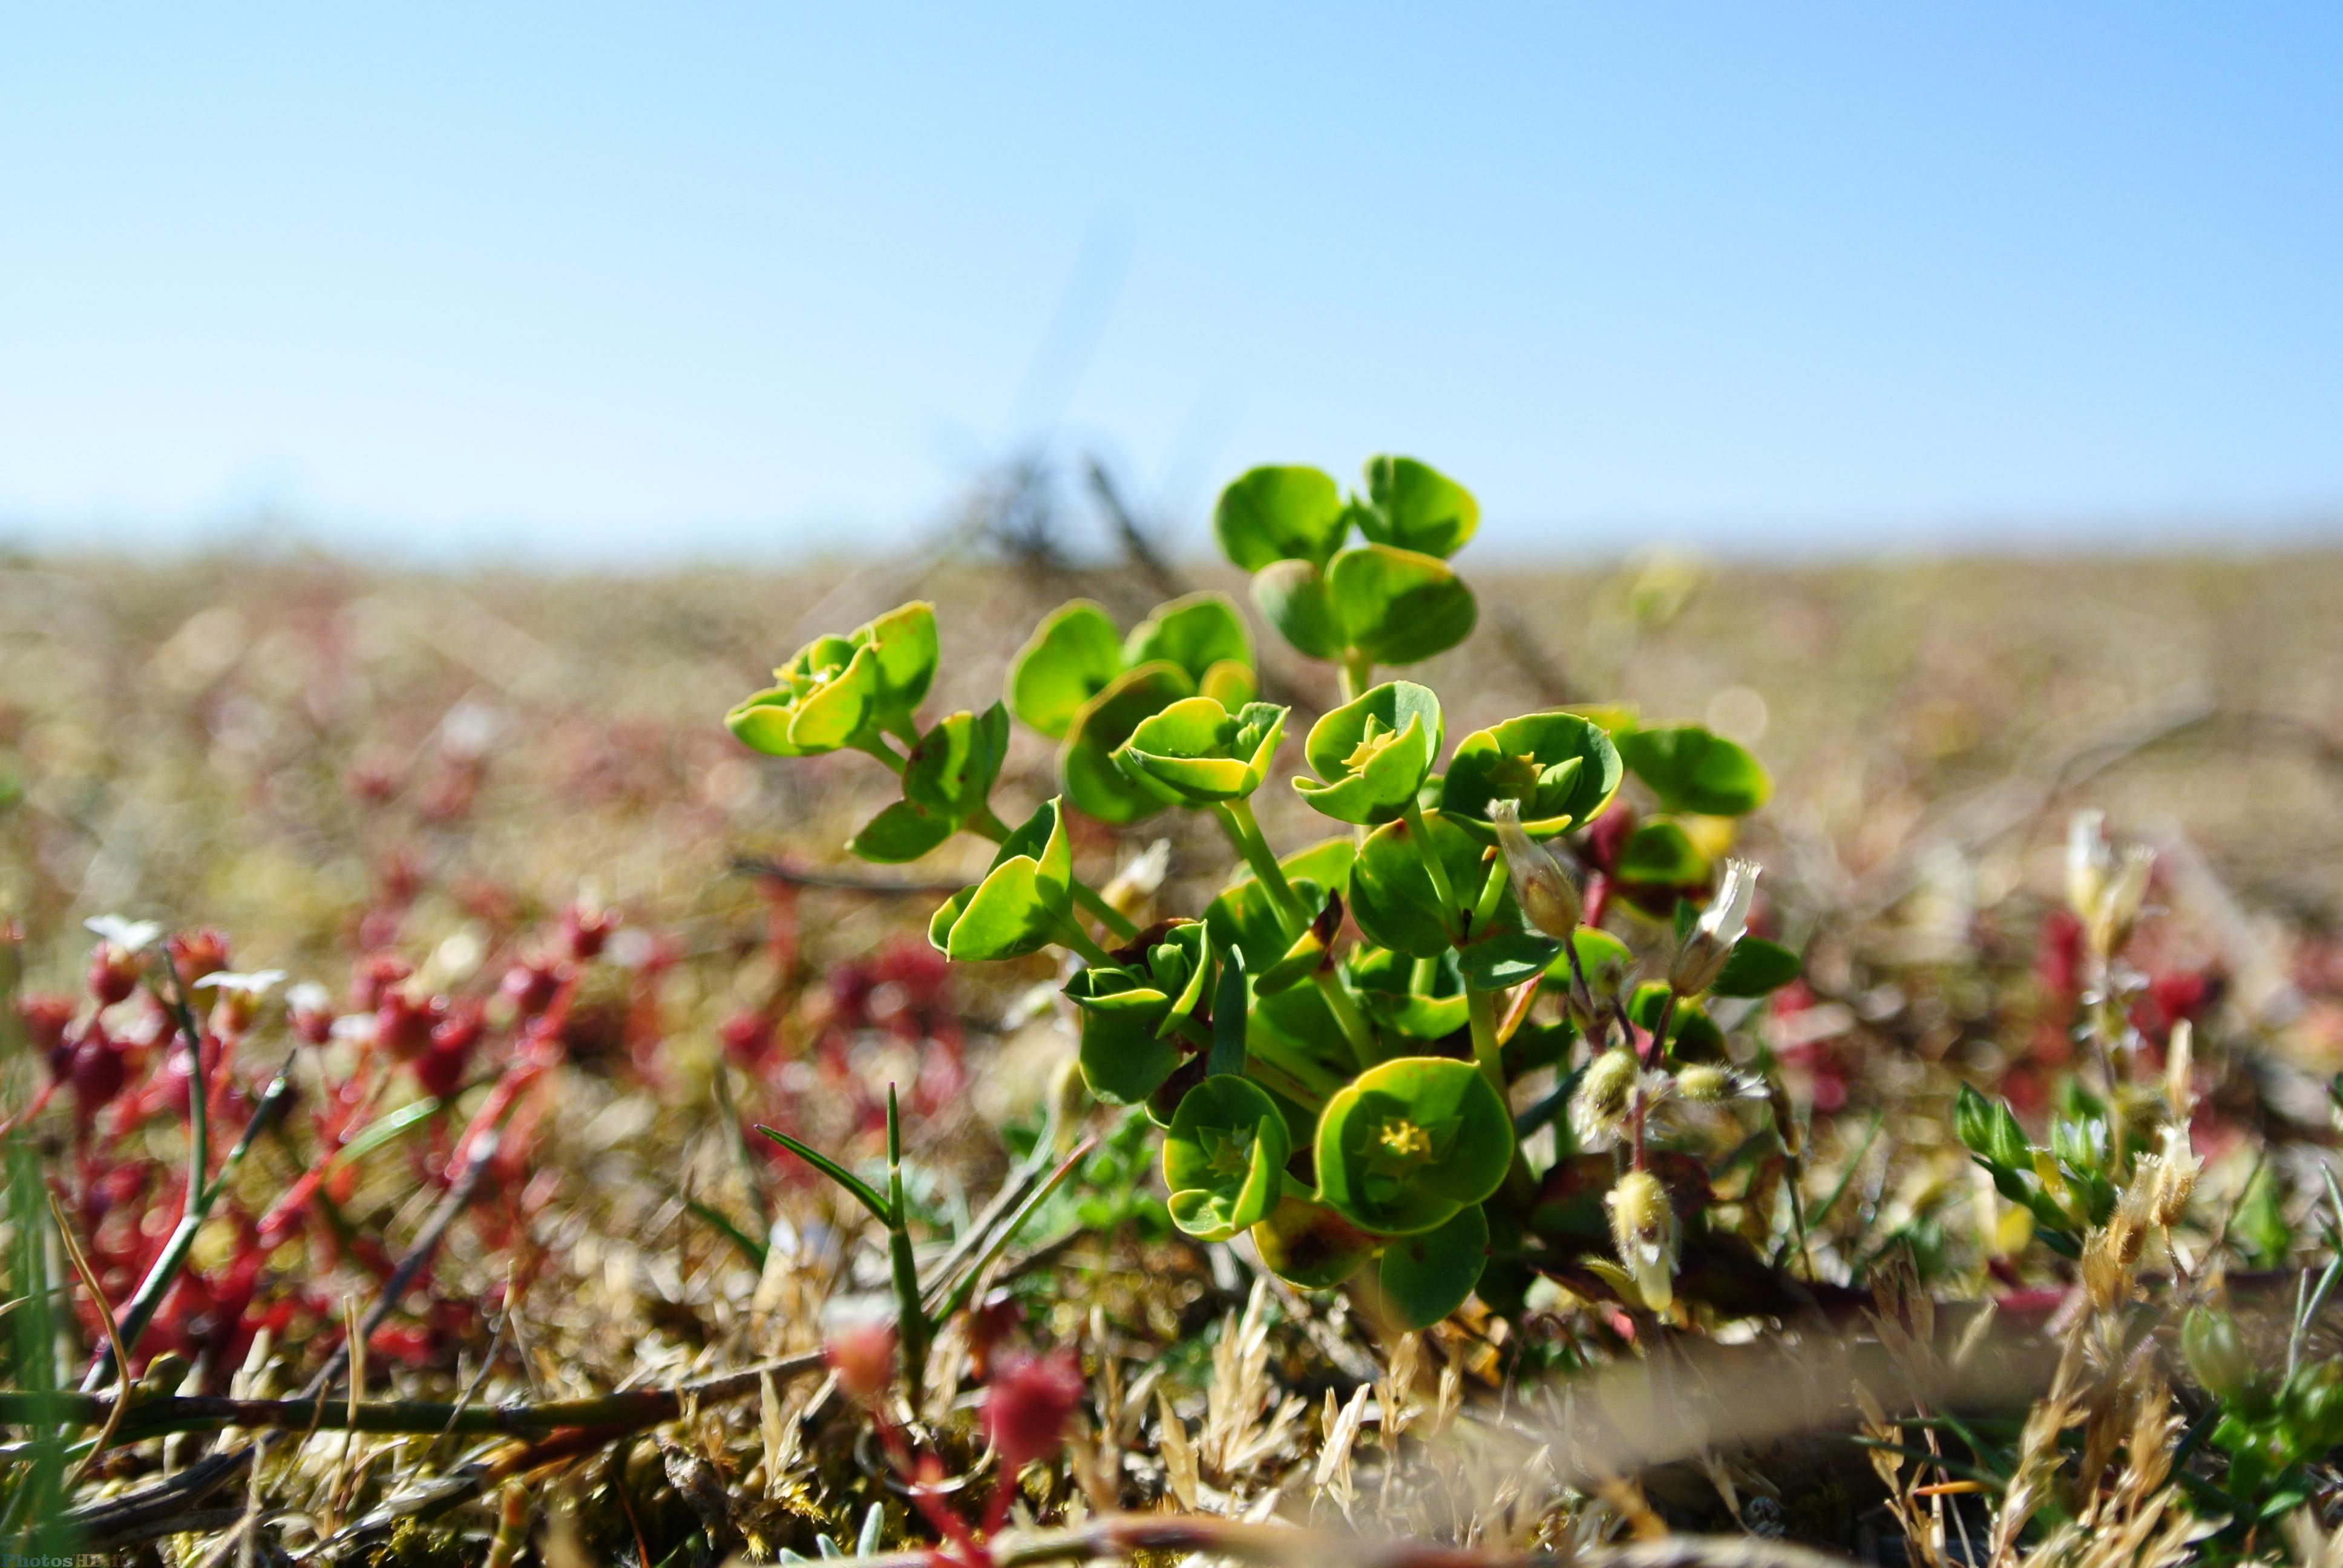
(1236, 819)
(1420, 834)
(1358, 673)
(1492, 891)
(1481, 1008)
(912, 1317)
(1071, 932)
(1346, 1012)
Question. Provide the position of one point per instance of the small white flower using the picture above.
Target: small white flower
(1711, 941)
(130, 936)
(258, 983)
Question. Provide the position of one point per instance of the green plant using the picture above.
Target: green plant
(1333, 1048)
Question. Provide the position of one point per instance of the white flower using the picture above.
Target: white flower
(130, 936)
(1711, 941)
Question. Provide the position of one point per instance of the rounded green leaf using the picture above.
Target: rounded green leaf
(1070, 659)
(1224, 1157)
(1229, 683)
(903, 649)
(1397, 605)
(1694, 771)
(1605, 960)
(1195, 632)
(1659, 853)
(1094, 782)
(827, 697)
(1755, 968)
(1410, 1141)
(1373, 754)
(1199, 752)
(1292, 596)
(1392, 895)
(1271, 514)
(1124, 1055)
(1310, 1246)
(1430, 1007)
(1416, 507)
(1426, 1277)
(1024, 901)
(952, 770)
(903, 832)
(1561, 769)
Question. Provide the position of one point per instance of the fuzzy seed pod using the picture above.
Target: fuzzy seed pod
(1705, 1083)
(2176, 1169)
(1548, 898)
(1598, 1109)
(1644, 1229)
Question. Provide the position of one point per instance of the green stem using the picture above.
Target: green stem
(877, 747)
(1492, 891)
(912, 1317)
(1481, 1009)
(1358, 673)
(1236, 819)
(1346, 1012)
(1071, 932)
(1420, 834)
(993, 830)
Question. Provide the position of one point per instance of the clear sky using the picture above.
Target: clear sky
(641, 281)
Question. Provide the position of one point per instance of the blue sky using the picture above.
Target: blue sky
(611, 283)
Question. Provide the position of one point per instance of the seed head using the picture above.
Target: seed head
(1644, 1230)
(1598, 1110)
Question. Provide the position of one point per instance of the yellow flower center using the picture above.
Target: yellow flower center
(1404, 1140)
(1373, 743)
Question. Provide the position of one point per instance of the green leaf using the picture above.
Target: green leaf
(1307, 956)
(1990, 1130)
(1271, 514)
(1310, 1246)
(952, 768)
(1410, 1141)
(1373, 754)
(1200, 753)
(1024, 902)
(1195, 632)
(826, 698)
(1124, 1056)
(1560, 769)
(1292, 596)
(1095, 782)
(1756, 968)
(901, 832)
(1606, 960)
(1224, 1158)
(1416, 507)
(1398, 606)
(1426, 1277)
(1659, 853)
(1392, 895)
(1692, 771)
(1388, 991)
(904, 647)
(1071, 657)
(861, 1191)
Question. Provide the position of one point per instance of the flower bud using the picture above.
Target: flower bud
(532, 985)
(196, 954)
(1711, 941)
(112, 972)
(585, 927)
(1548, 899)
(1704, 1083)
(1644, 1230)
(46, 1017)
(2216, 1352)
(1027, 1404)
(1598, 1108)
(373, 979)
(311, 1011)
(862, 1354)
